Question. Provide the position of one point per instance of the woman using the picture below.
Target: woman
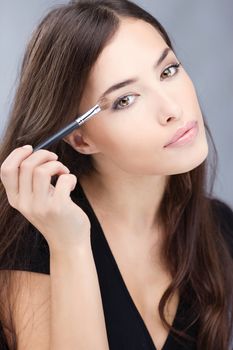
(110, 239)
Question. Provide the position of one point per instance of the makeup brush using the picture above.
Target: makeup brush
(101, 106)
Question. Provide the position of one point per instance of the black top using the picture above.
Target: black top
(126, 329)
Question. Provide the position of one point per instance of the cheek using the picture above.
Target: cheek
(189, 97)
(194, 106)
(123, 137)
(134, 147)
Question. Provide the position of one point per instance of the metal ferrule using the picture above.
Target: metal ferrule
(80, 120)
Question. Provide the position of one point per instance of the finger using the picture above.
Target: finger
(10, 171)
(65, 184)
(42, 179)
(27, 168)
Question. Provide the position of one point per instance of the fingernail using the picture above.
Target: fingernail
(27, 146)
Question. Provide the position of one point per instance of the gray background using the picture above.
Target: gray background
(201, 32)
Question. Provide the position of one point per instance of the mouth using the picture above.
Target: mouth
(184, 135)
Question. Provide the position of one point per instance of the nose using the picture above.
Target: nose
(170, 108)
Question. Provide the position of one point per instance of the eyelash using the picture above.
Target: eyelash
(115, 104)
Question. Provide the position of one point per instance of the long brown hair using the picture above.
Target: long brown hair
(62, 50)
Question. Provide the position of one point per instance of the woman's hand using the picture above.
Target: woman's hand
(26, 177)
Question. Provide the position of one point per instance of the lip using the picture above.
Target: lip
(181, 132)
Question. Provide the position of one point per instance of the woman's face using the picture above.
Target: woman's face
(144, 115)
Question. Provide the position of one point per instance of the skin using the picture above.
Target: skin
(128, 144)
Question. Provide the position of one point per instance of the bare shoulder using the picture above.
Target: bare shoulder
(29, 301)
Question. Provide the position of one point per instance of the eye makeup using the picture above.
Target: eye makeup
(115, 105)
(176, 66)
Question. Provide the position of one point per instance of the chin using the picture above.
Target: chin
(201, 155)
(192, 161)
(199, 158)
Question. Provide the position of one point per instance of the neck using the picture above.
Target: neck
(135, 201)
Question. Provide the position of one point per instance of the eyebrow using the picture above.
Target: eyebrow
(134, 80)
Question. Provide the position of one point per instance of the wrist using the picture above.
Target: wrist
(71, 252)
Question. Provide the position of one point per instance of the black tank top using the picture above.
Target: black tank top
(125, 327)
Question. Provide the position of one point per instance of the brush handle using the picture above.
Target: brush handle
(67, 129)
(59, 135)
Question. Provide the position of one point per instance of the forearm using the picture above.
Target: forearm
(77, 318)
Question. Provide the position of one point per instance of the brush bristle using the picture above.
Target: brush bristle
(104, 103)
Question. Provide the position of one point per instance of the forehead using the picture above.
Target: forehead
(134, 45)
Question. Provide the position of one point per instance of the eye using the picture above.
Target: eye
(123, 102)
(173, 67)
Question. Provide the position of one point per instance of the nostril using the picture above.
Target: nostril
(169, 119)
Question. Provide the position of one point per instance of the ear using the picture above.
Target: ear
(80, 143)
